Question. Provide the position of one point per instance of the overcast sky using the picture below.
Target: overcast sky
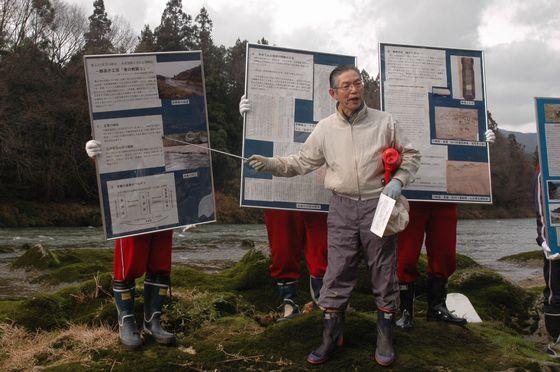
(520, 39)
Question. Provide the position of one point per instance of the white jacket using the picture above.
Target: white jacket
(352, 153)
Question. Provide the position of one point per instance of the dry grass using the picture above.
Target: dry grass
(22, 350)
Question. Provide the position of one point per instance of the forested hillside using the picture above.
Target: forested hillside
(44, 119)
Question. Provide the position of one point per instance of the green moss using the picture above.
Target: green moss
(8, 309)
(219, 317)
(495, 298)
(524, 257)
(38, 257)
(78, 304)
(72, 273)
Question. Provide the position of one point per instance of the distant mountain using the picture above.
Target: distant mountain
(527, 139)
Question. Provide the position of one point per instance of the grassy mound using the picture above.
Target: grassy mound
(224, 322)
(532, 258)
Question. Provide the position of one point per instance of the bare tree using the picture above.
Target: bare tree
(122, 36)
(65, 35)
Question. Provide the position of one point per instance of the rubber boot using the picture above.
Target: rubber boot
(407, 305)
(552, 325)
(156, 288)
(384, 352)
(437, 309)
(333, 325)
(315, 285)
(123, 292)
(288, 293)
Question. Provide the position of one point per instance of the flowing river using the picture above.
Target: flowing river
(214, 246)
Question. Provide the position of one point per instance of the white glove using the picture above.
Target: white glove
(244, 105)
(93, 148)
(260, 163)
(490, 136)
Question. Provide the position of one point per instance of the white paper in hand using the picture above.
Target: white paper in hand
(382, 214)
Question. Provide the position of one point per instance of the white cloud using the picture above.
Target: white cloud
(521, 39)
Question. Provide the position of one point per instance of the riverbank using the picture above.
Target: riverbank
(22, 213)
(225, 321)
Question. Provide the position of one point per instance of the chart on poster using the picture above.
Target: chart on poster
(548, 132)
(289, 93)
(438, 97)
(148, 111)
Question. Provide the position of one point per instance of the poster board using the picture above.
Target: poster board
(547, 111)
(438, 96)
(288, 91)
(144, 109)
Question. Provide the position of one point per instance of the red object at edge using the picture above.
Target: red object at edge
(391, 162)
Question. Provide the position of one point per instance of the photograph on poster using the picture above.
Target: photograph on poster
(554, 214)
(467, 178)
(552, 113)
(177, 81)
(456, 123)
(466, 78)
(553, 190)
(179, 156)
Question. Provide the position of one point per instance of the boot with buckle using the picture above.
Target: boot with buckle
(156, 289)
(437, 309)
(123, 293)
(407, 306)
(287, 289)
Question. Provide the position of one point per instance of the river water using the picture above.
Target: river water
(213, 246)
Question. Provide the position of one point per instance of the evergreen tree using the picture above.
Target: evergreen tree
(146, 41)
(98, 37)
(175, 31)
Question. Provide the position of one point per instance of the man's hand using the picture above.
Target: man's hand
(393, 189)
(93, 148)
(490, 136)
(244, 105)
(260, 163)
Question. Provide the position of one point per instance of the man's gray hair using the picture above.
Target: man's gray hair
(339, 70)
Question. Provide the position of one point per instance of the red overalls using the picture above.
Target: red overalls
(439, 222)
(139, 254)
(291, 233)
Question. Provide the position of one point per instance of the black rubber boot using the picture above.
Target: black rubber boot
(437, 309)
(315, 285)
(288, 293)
(156, 288)
(333, 325)
(552, 325)
(384, 352)
(407, 305)
(123, 292)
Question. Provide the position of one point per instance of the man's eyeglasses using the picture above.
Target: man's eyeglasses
(346, 87)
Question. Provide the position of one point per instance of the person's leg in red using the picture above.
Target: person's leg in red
(441, 241)
(315, 250)
(285, 236)
(130, 262)
(157, 286)
(409, 245)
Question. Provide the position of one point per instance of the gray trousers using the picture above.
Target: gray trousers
(349, 223)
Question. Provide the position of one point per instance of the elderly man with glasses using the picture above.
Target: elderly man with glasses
(350, 142)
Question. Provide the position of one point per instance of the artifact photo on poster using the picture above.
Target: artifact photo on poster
(468, 178)
(456, 123)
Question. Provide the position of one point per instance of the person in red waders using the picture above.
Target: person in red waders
(291, 234)
(438, 221)
(135, 256)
